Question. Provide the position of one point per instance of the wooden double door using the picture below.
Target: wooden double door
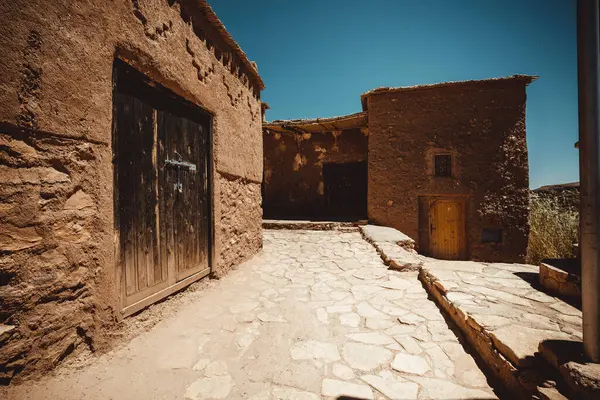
(161, 148)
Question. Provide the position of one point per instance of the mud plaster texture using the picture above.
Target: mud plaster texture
(57, 250)
(241, 222)
(482, 125)
(293, 164)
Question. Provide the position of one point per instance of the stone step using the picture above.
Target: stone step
(580, 376)
(394, 247)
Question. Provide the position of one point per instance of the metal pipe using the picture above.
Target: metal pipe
(588, 60)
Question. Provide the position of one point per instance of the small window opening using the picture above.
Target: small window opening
(491, 236)
(443, 165)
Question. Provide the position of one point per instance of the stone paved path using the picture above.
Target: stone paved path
(317, 315)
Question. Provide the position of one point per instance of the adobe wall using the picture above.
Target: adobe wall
(57, 250)
(293, 168)
(483, 126)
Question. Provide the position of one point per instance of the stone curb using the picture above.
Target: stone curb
(390, 253)
(311, 225)
(476, 335)
(521, 382)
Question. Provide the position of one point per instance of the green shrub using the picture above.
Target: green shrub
(554, 229)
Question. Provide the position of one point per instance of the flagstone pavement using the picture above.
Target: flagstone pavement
(316, 315)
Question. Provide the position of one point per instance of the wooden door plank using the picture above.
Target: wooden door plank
(124, 126)
(156, 272)
(191, 204)
(463, 231)
(139, 218)
(198, 197)
(162, 196)
(432, 229)
(136, 197)
(186, 208)
(168, 180)
(185, 205)
(443, 229)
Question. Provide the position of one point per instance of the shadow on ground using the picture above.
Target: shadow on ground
(533, 279)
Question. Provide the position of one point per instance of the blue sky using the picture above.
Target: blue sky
(317, 56)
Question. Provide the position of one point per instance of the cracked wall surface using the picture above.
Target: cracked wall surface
(482, 125)
(57, 250)
(293, 176)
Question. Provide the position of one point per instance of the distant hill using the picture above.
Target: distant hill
(566, 195)
(559, 187)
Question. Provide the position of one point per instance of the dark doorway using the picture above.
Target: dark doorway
(345, 190)
(161, 146)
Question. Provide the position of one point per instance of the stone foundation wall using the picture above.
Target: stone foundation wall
(482, 125)
(57, 230)
(239, 226)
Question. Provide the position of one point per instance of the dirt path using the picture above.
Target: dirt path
(317, 315)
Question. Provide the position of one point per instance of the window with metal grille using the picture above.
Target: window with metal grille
(443, 165)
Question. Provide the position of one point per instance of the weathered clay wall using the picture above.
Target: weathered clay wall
(240, 221)
(57, 256)
(293, 168)
(483, 126)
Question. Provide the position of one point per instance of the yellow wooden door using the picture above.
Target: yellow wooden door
(446, 230)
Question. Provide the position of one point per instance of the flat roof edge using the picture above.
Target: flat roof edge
(310, 121)
(518, 77)
(213, 19)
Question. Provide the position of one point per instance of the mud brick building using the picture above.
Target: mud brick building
(446, 164)
(300, 155)
(130, 161)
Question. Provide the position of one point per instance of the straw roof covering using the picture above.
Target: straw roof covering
(316, 125)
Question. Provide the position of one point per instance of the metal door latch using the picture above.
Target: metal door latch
(178, 186)
(181, 164)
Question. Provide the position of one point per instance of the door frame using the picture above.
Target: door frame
(142, 299)
(364, 206)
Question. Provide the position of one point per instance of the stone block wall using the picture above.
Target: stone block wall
(482, 125)
(57, 228)
(240, 222)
